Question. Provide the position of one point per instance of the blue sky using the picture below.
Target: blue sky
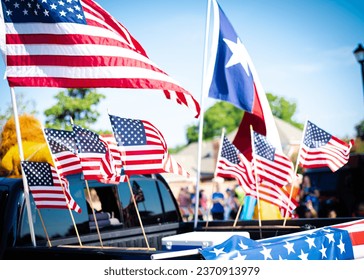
(302, 50)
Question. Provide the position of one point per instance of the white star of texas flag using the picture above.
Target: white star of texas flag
(240, 55)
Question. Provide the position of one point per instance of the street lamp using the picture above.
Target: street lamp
(359, 55)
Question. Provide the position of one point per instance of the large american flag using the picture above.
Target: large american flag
(327, 243)
(272, 166)
(143, 148)
(77, 44)
(49, 189)
(233, 164)
(95, 156)
(63, 147)
(321, 149)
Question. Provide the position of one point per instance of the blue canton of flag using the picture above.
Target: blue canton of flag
(263, 148)
(323, 244)
(61, 140)
(229, 151)
(88, 141)
(232, 79)
(130, 132)
(45, 11)
(63, 147)
(315, 137)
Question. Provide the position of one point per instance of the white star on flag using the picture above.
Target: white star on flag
(239, 55)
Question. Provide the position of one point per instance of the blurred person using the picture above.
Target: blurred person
(217, 209)
(308, 192)
(231, 205)
(310, 210)
(184, 201)
(202, 205)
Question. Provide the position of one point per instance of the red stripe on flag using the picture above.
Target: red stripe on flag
(357, 238)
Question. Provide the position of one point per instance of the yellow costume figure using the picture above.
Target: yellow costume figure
(34, 145)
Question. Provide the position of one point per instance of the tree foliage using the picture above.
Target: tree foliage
(221, 114)
(283, 109)
(78, 105)
(224, 114)
(360, 130)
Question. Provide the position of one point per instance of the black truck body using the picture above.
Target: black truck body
(121, 235)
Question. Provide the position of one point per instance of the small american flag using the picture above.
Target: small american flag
(321, 149)
(63, 147)
(233, 164)
(77, 44)
(95, 156)
(143, 148)
(49, 190)
(272, 166)
(110, 141)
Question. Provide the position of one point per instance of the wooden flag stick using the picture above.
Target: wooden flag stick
(137, 211)
(44, 228)
(256, 180)
(238, 214)
(93, 213)
(70, 211)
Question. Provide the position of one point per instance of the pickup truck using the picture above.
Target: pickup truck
(117, 218)
(118, 235)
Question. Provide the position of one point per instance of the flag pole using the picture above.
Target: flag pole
(296, 167)
(256, 179)
(218, 158)
(21, 156)
(200, 127)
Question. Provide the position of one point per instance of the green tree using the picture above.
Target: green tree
(76, 104)
(221, 114)
(360, 130)
(283, 109)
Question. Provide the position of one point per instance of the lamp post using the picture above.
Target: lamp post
(359, 55)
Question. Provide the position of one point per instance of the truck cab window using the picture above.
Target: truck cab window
(148, 202)
(57, 222)
(104, 202)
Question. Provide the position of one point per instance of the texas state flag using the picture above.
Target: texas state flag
(232, 77)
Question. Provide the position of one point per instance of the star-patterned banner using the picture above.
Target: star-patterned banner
(323, 244)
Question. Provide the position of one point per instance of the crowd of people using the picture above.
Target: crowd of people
(221, 206)
(225, 205)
